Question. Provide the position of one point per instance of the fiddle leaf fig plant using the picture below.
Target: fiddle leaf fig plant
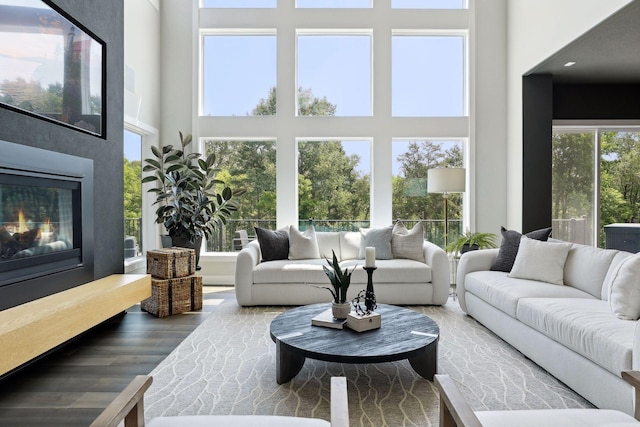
(190, 200)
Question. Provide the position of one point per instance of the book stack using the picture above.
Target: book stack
(174, 286)
(327, 320)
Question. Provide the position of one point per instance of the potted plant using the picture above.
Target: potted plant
(190, 205)
(340, 281)
(470, 241)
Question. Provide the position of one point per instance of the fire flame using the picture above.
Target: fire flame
(46, 227)
(22, 224)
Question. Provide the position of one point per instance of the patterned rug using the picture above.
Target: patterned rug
(227, 366)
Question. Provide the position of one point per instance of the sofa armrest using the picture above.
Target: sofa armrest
(480, 260)
(248, 258)
(437, 259)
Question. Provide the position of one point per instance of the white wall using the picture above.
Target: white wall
(142, 92)
(537, 29)
(488, 184)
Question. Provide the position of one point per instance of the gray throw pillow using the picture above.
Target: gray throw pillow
(510, 244)
(274, 245)
(379, 238)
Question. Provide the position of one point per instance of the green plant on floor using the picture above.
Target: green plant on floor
(191, 200)
(469, 241)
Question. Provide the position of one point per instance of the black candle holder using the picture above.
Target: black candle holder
(370, 296)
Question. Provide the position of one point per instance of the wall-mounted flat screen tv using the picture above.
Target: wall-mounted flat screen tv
(51, 66)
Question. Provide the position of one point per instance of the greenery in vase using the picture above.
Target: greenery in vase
(189, 203)
(340, 280)
(471, 239)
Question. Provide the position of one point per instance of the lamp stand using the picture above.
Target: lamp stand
(446, 220)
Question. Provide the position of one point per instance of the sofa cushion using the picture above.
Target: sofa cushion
(378, 238)
(350, 244)
(503, 292)
(274, 245)
(624, 295)
(329, 241)
(556, 418)
(583, 325)
(510, 244)
(407, 244)
(391, 271)
(291, 271)
(303, 245)
(541, 261)
(586, 268)
(617, 259)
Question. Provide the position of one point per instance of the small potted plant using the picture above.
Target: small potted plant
(190, 205)
(340, 281)
(470, 241)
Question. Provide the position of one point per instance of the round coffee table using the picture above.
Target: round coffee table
(404, 334)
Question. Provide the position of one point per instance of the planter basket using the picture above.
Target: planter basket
(170, 263)
(174, 296)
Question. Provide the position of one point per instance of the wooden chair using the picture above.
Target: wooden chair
(455, 411)
(129, 406)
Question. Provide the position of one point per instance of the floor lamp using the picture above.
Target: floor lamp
(445, 181)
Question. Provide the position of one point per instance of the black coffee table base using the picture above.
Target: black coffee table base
(405, 334)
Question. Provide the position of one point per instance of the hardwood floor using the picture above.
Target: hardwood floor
(71, 386)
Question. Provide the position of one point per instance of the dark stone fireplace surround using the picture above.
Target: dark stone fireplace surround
(107, 231)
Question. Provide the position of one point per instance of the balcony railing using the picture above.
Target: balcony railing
(223, 239)
(133, 228)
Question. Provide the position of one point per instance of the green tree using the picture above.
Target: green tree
(132, 189)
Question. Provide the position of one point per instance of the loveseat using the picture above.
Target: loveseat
(415, 273)
(569, 308)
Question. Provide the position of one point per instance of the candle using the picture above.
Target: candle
(370, 256)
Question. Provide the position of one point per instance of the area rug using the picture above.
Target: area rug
(227, 366)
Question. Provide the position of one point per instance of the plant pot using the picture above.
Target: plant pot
(341, 311)
(183, 242)
(166, 241)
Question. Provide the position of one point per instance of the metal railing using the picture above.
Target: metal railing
(223, 238)
(133, 228)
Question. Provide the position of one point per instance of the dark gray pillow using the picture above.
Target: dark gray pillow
(274, 245)
(510, 244)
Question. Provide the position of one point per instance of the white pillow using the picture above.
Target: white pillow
(407, 244)
(379, 238)
(303, 245)
(624, 289)
(541, 261)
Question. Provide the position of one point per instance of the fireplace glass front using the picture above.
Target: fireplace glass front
(39, 221)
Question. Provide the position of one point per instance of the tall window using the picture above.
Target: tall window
(330, 86)
(239, 70)
(335, 68)
(333, 183)
(428, 76)
(595, 182)
(411, 202)
(250, 165)
(132, 194)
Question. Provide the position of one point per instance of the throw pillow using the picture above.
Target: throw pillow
(509, 247)
(379, 238)
(274, 245)
(303, 245)
(407, 244)
(541, 261)
(624, 289)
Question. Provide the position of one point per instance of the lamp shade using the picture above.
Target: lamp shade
(445, 180)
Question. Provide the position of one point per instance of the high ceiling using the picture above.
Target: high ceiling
(608, 53)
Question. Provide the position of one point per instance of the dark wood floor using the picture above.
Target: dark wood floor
(71, 386)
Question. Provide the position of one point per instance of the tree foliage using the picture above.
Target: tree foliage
(132, 189)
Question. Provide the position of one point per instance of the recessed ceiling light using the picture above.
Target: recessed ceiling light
(570, 64)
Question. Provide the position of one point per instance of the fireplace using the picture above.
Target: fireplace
(46, 223)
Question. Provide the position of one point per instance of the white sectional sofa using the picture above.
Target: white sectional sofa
(289, 281)
(571, 329)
